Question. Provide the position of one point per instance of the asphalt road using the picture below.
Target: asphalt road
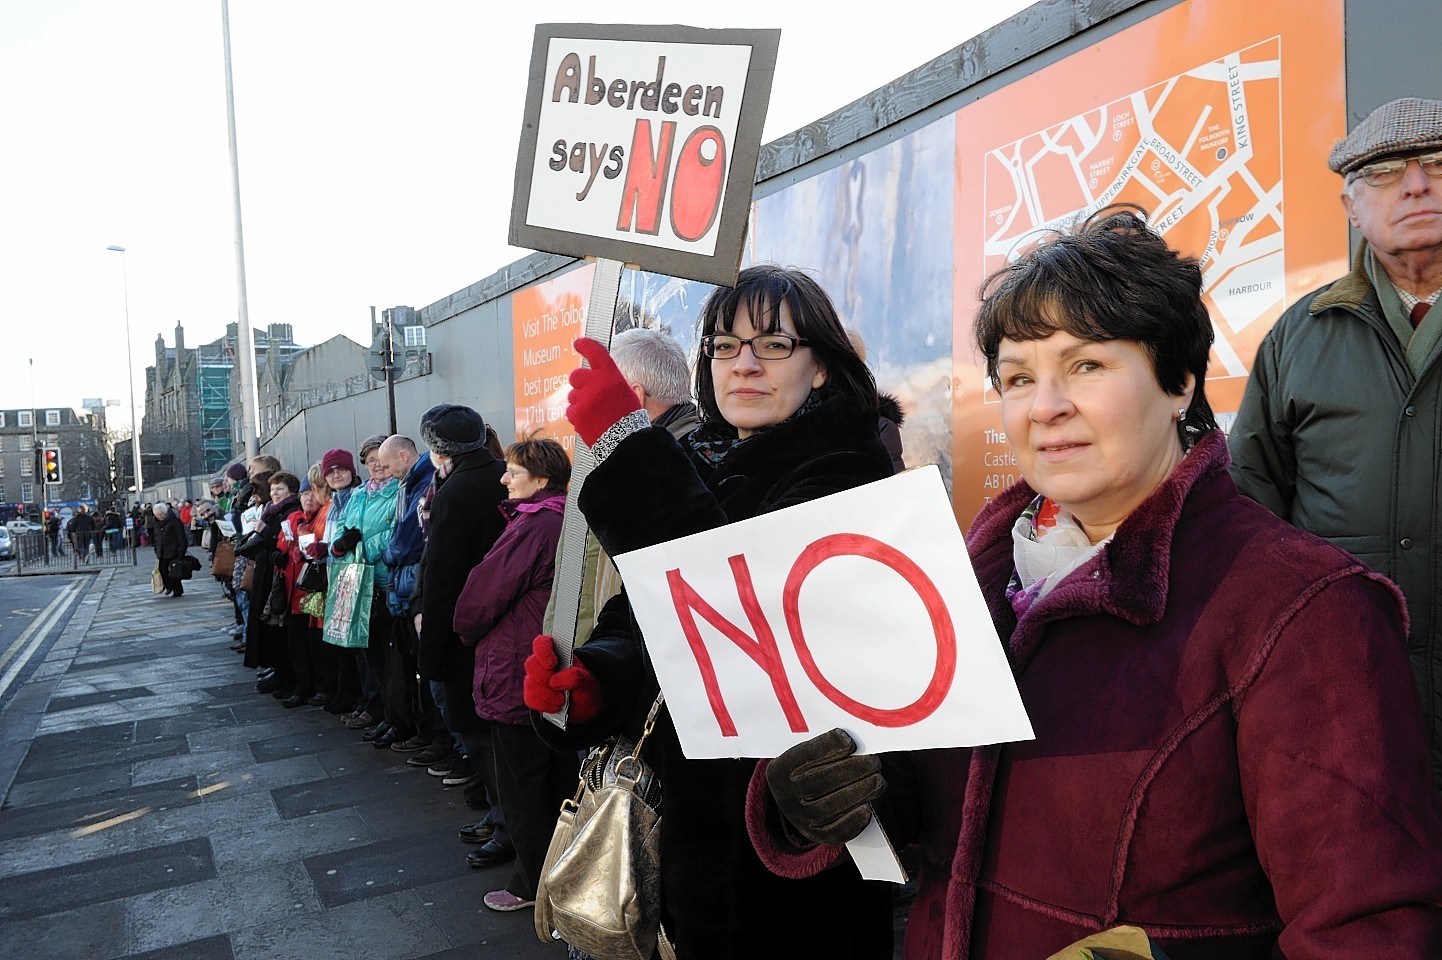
(33, 612)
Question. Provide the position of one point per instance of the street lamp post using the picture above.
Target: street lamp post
(130, 372)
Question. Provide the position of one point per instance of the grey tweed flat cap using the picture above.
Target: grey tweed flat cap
(1401, 126)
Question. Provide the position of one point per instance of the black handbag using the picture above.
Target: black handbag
(179, 570)
(312, 577)
(276, 603)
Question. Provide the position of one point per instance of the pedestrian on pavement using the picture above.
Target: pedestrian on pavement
(170, 547)
(499, 613)
(1339, 429)
(463, 523)
(1227, 745)
(790, 415)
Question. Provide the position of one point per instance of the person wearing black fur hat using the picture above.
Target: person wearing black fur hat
(464, 521)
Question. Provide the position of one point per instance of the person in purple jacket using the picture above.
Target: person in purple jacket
(1229, 748)
(499, 613)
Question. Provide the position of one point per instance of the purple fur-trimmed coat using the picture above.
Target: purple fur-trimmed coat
(1229, 752)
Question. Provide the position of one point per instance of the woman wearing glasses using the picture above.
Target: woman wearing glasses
(789, 415)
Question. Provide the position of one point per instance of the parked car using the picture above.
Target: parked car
(7, 546)
(22, 526)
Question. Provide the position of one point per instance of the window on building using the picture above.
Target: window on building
(27, 467)
(2, 439)
(2, 418)
(25, 418)
(27, 492)
(52, 418)
(2, 492)
(415, 336)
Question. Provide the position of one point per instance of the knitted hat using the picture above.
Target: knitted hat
(304, 484)
(337, 458)
(1401, 126)
(450, 429)
(236, 472)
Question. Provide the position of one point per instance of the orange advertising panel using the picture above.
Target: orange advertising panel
(547, 318)
(1215, 116)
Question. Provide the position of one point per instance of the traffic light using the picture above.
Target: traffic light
(52, 464)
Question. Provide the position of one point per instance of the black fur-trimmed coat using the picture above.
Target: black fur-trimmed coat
(718, 900)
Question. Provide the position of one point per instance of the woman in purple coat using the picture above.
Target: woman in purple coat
(1229, 747)
(499, 613)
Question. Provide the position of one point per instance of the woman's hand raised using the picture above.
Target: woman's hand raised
(600, 396)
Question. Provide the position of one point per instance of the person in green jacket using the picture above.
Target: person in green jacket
(1340, 427)
(359, 619)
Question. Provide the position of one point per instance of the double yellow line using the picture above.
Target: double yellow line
(16, 655)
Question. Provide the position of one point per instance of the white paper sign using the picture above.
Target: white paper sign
(859, 610)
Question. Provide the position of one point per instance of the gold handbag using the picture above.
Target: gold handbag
(600, 888)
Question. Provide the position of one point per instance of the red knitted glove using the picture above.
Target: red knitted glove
(317, 550)
(545, 689)
(600, 396)
(540, 668)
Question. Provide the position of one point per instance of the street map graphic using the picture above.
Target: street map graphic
(1201, 152)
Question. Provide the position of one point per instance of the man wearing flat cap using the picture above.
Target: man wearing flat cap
(1340, 430)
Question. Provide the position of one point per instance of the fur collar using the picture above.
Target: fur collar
(890, 409)
(1350, 291)
(1129, 578)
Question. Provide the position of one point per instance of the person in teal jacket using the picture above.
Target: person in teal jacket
(364, 533)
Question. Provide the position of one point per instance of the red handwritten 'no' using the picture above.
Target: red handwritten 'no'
(762, 647)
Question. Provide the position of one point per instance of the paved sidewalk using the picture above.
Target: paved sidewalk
(165, 810)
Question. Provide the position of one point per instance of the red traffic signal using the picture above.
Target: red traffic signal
(51, 467)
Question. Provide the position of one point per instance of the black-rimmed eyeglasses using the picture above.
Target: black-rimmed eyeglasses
(767, 346)
(1384, 173)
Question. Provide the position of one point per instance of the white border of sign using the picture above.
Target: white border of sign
(540, 220)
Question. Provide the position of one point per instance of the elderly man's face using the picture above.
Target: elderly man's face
(394, 459)
(1401, 218)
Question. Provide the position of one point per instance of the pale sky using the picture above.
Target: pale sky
(377, 145)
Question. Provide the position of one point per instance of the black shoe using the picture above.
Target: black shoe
(393, 735)
(410, 745)
(319, 700)
(430, 755)
(479, 832)
(294, 700)
(270, 684)
(376, 732)
(490, 854)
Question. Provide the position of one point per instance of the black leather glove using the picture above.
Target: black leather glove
(346, 542)
(250, 545)
(824, 788)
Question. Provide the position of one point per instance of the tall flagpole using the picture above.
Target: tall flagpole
(245, 348)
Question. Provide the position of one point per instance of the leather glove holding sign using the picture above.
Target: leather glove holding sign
(600, 397)
(825, 789)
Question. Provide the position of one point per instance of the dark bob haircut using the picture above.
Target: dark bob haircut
(544, 459)
(1111, 279)
(762, 289)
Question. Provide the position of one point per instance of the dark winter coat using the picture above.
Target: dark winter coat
(264, 643)
(718, 900)
(403, 555)
(1229, 751)
(170, 540)
(501, 608)
(1337, 435)
(465, 522)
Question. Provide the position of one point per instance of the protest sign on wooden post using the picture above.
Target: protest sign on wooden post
(638, 147)
(639, 144)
